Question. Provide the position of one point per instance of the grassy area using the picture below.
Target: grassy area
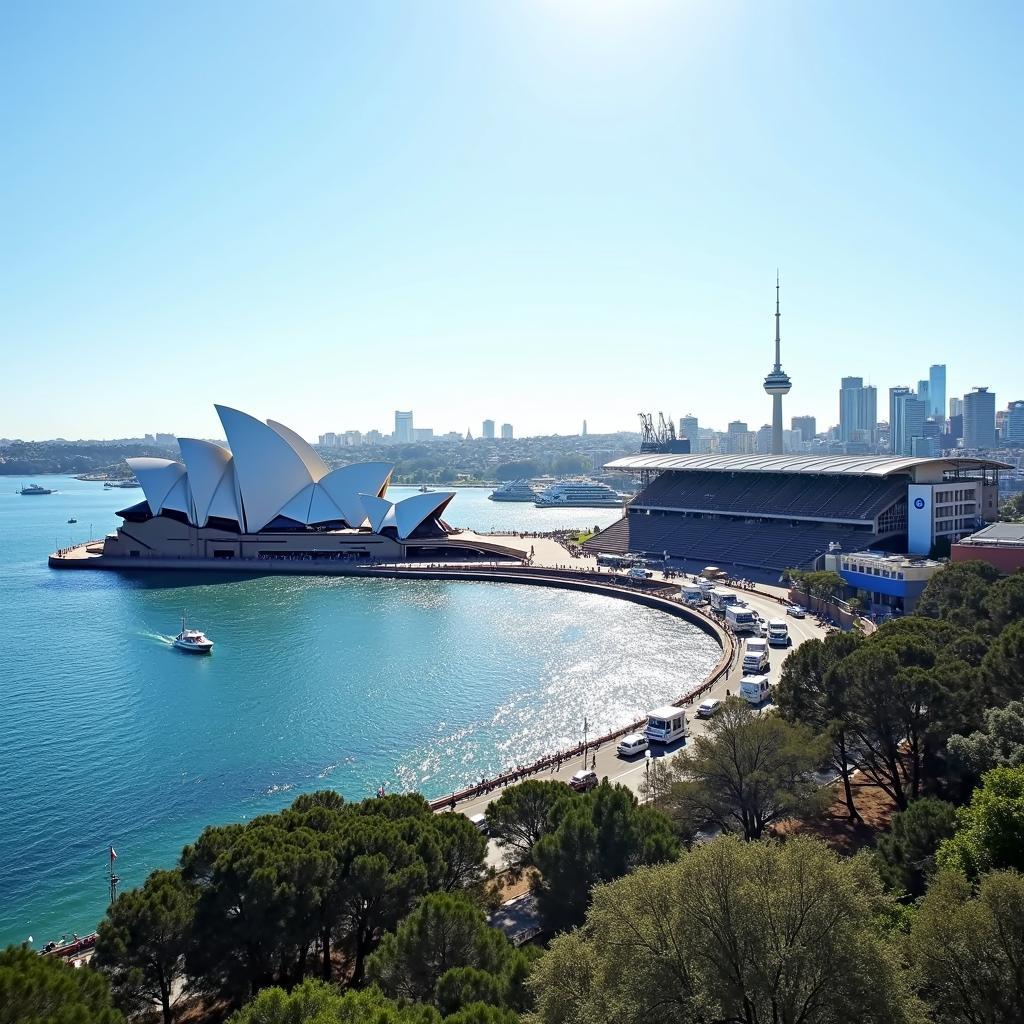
(582, 538)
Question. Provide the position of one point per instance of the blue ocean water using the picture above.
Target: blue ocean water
(108, 736)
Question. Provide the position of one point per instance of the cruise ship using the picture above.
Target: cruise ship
(579, 494)
(514, 490)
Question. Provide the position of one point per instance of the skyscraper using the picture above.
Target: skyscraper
(980, 419)
(688, 427)
(807, 425)
(858, 410)
(506, 431)
(488, 431)
(777, 383)
(906, 420)
(937, 390)
(923, 394)
(1015, 423)
(403, 427)
(956, 407)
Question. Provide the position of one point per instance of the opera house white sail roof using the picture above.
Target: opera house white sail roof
(269, 474)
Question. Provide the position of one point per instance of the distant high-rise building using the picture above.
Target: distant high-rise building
(421, 434)
(807, 425)
(403, 427)
(506, 431)
(956, 407)
(980, 419)
(906, 420)
(956, 428)
(937, 390)
(923, 394)
(488, 430)
(584, 431)
(329, 440)
(1015, 423)
(738, 440)
(688, 427)
(777, 383)
(764, 440)
(858, 410)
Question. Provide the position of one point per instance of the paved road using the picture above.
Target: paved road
(631, 772)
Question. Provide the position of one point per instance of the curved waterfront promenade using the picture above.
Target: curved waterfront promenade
(575, 574)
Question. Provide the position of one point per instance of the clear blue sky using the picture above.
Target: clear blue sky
(537, 211)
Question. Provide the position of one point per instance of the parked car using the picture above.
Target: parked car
(640, 574)
(480, 821)
(796, 611)
(708, 707)
(584, 781)
(634, 743)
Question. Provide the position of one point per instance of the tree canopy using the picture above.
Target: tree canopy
(906, 853)
(968, 947)
(745, 773)
(518, 818)
(990, 830)
(44, 990)
(733, 931)
(595, 838)
(143, 940)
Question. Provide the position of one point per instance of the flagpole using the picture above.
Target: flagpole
(113, 878)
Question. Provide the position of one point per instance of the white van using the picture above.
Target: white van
(741, 620)
(691, 593)
(720, 597)
(755, 689)
(778, 633)
(631, 745)
(755, 657)
(665, 724)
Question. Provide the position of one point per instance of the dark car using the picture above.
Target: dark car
(584, 781)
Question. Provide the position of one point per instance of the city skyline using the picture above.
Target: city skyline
(242, 197)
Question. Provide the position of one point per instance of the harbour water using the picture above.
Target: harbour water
(108, 736)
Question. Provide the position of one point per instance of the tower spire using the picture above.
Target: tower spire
(778, 340)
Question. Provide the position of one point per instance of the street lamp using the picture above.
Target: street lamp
(647, 772)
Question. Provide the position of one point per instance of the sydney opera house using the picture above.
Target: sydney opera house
(270, 495)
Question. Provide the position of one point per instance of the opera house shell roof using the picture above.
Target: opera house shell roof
(270, 478)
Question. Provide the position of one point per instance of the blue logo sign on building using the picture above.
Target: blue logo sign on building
(919, 503)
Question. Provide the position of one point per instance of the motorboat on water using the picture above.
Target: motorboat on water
(424, 488)
(34, 489)
(514, 490)
(195, 641)
(579, 494)
(72, 520)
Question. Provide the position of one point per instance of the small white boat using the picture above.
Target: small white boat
(195, 641)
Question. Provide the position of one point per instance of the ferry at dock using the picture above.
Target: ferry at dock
(579, 494)
(514, 490)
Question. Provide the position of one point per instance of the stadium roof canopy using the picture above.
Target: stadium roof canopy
(838, 465)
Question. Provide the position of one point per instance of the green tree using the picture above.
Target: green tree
(957, 593)
(445, 931)
(1004, 602)
(315, 1002)
(461, 852)
(998, 743)
(522, 815)
(732, 932)
(745, 773)
(812, 694)
(596, 838)
(143, 939)
(990, 830)
(906, 853)
(907, 690)
(43, 990)
(968, 948)
(1003, 666)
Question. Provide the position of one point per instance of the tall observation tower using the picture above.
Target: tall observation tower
(777, 383)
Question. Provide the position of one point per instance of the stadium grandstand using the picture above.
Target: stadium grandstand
(762, 514)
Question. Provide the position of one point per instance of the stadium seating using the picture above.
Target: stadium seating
(763, 544)
(792, 495)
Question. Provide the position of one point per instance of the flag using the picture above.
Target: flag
(113, 854)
